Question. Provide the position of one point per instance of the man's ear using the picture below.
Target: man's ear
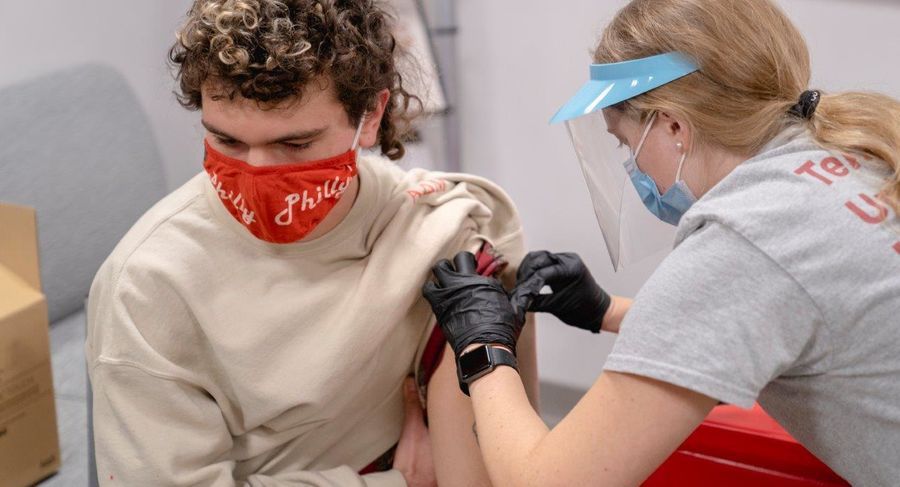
(369, 135)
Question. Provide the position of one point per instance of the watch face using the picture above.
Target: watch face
(470, 364)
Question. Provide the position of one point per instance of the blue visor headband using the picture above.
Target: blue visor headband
(616, 82)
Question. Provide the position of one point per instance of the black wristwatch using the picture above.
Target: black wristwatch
(481, 361)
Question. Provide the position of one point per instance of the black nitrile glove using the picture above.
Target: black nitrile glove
(471, 308)
(577, 300)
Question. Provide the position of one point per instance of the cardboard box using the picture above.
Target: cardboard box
(29, 444)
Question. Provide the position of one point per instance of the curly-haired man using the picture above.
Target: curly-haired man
(256, 326)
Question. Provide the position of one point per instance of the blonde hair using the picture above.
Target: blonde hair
(754, 65)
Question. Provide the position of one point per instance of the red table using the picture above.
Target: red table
(737, 448)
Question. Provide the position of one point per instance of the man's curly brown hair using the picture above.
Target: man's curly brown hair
(269, 50)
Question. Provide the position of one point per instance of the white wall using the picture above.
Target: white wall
(40, 36)
(521, 60)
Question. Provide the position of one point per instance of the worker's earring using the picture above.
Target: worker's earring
(680, 147)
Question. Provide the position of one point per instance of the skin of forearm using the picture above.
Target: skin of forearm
(615, 314)
(504, 416)
(621, 430)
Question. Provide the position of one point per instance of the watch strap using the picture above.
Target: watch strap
(497, 356)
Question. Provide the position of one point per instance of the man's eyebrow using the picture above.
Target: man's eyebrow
(216, 131)
(306, 134)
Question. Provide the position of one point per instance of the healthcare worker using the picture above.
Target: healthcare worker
(784, 283)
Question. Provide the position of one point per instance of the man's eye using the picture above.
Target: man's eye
(228, 142)
(302, 146)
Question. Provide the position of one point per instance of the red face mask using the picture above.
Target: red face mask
(280, 204)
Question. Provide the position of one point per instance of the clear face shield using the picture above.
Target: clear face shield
(630, 230)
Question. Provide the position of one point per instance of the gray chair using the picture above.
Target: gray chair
(77, 146)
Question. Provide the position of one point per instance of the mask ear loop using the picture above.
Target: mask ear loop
(680, 165)
(645, 134)
(644, 137)
(355, 144)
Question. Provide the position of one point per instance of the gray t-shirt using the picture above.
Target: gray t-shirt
(784, 287)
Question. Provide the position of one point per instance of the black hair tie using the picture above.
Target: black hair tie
(806, 107)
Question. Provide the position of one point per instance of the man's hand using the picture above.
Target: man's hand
(413, 457)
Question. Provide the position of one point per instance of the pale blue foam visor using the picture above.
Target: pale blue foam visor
(616, 82)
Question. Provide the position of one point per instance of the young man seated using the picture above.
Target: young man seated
(255, 327)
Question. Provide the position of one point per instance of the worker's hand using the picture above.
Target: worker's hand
(471, 308)
(413, 456)
(576, 299)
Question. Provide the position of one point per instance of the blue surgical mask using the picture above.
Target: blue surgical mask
(670, 206)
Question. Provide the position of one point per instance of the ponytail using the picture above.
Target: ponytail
(863, 123)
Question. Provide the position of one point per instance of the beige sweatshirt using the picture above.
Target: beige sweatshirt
(218, 359)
